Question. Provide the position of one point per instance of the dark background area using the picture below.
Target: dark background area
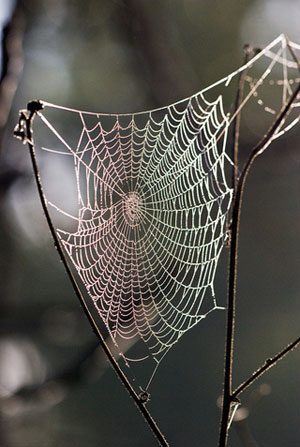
(119, 56)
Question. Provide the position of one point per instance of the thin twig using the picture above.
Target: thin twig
(269, 363)
(258, 149)
(231, 305)
(24, 131)
(237, 122)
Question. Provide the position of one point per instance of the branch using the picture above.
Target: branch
(237, 120)
(257, 150)
(269, 363)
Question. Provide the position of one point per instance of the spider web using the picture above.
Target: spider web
(153, 202)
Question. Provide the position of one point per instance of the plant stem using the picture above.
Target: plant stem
(237, 122)
(269, 363)
(259, 148)
(27, 117)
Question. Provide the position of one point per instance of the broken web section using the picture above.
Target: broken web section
(147, 226)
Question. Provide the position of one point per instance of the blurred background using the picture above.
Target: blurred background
(117, 56)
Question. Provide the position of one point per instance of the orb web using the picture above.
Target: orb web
(153, 202)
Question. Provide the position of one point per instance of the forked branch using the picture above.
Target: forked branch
(228, 395)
